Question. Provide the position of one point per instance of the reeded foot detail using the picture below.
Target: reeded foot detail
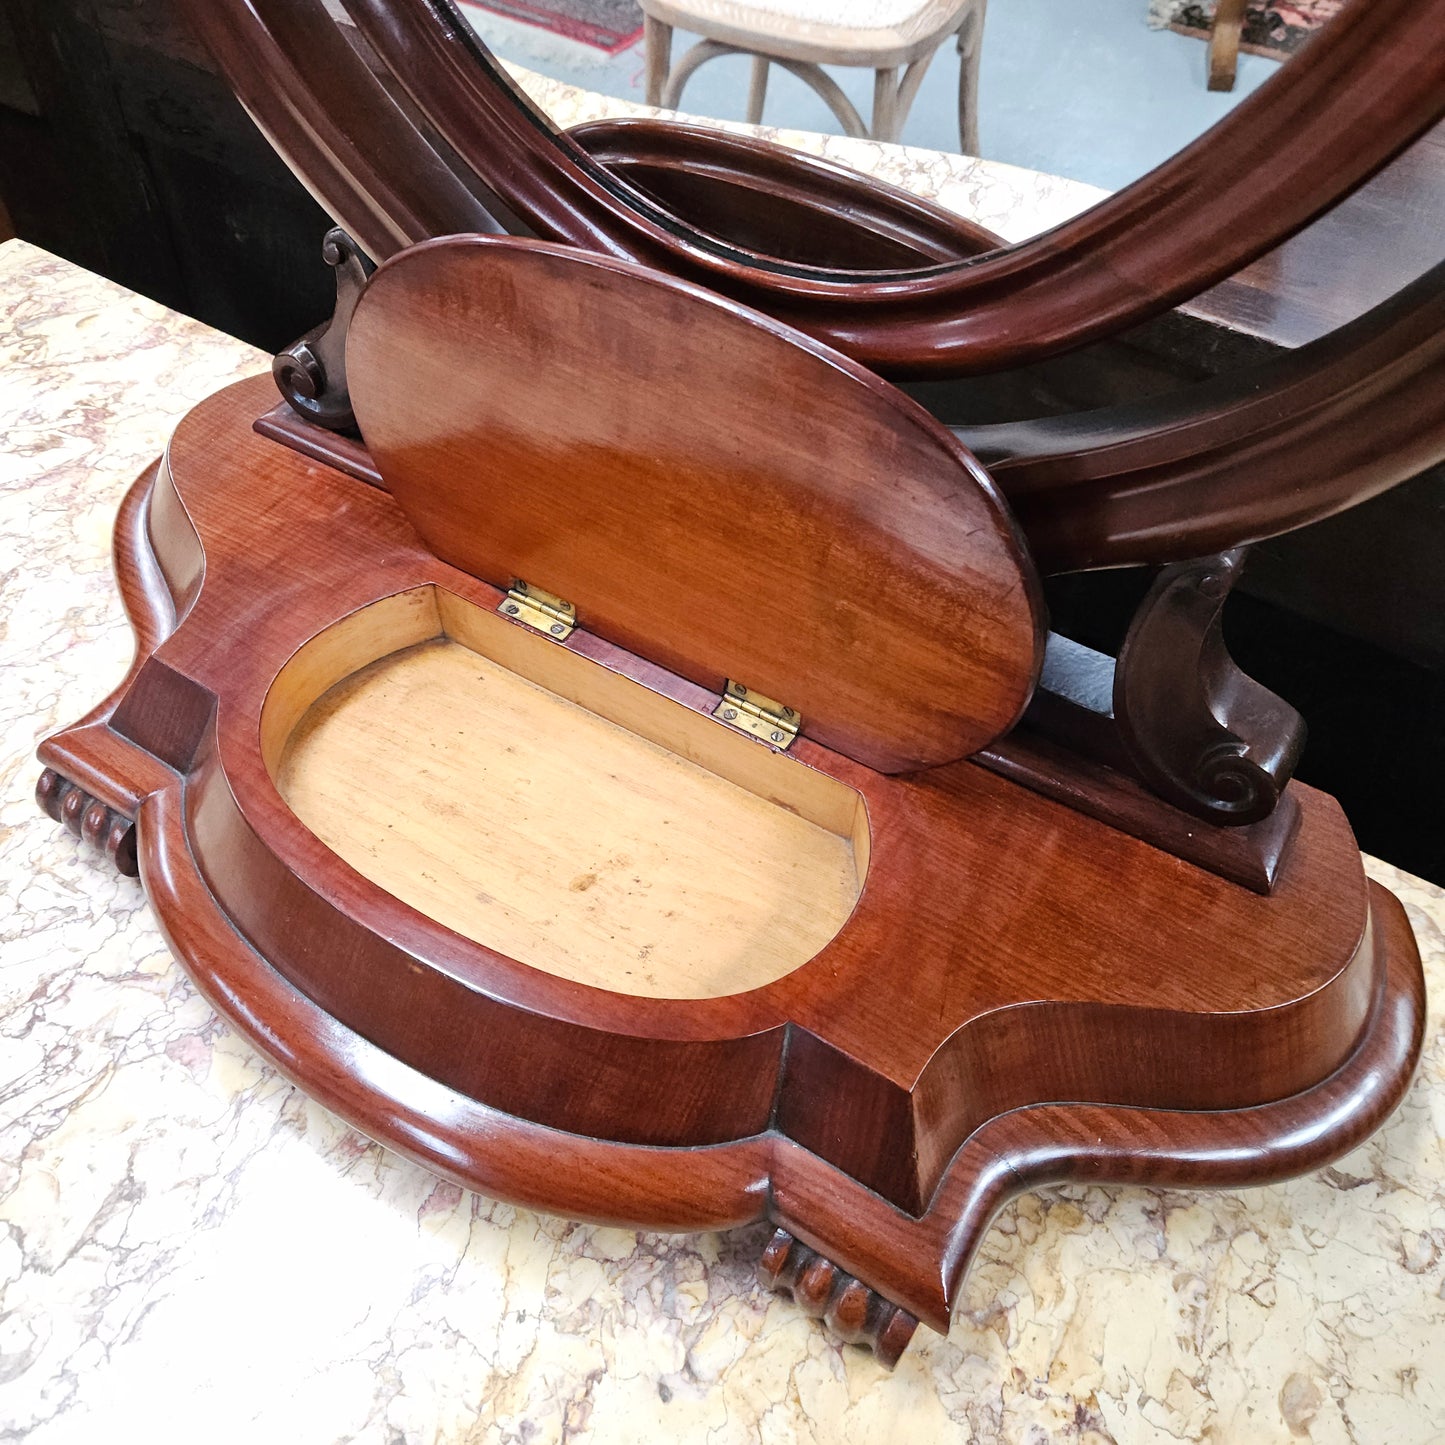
(855, 1313)
(88, 818)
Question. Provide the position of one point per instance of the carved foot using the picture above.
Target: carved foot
(855, 1313)
(88, 818)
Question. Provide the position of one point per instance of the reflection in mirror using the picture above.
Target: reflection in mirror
(430, 100)
(1098, 94)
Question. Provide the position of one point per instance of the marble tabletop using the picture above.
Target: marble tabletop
(191, 1250)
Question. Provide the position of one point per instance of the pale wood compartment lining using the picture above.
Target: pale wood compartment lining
(555, 811)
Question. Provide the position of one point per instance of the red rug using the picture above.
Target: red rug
(609, 25)
(1271, 27)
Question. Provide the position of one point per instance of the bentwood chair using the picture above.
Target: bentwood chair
(896, 39)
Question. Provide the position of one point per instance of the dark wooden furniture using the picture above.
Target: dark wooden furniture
(884, 904)
(465, 139)
(855, 980)
(1328, 121)
(121, 148)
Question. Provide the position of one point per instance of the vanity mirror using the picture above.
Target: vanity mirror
(613, 530)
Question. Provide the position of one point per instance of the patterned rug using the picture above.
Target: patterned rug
(1271, 27)
(609, 25)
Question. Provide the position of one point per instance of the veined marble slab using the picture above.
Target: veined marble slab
(190, 1250)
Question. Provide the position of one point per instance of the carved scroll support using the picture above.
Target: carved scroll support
(311, 372)
(1166, 734)
(1200, 733)
(856, 1314)
(89, 818)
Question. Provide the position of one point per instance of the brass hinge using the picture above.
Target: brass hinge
(539, 609)
(751, 712)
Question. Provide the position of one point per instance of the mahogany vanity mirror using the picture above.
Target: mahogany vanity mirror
(1069, 916)
(405, 127)
(427, 135)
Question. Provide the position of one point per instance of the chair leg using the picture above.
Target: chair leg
(970, 54)
(908, 92)
(681, 73)
(1224, 44)
(757, 89)
(810, 74)
(885, 104)
(831, 93)
(657, 41)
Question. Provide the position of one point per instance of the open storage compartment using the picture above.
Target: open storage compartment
(556, 811)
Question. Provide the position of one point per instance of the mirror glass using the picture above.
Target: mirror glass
(1014, 113)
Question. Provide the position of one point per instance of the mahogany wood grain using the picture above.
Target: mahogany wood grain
(921, 1262)
(855, 1313)
(1373, 244)
(369, 165)
(333, 449)
(89, 818)
(1250, 856)
(917, 1261)
(1369, 85)
(1219, 466)
(1025, 975)
(1013, 973)
(710, 490)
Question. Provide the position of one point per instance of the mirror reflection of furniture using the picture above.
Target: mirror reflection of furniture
(466, 151)
(896, 39)
(1224, 44)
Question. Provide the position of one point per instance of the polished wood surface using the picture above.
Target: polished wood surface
(1004, 952)
(1371, 83)
(917, 1260)
(708, 489)
(1244, 456)
(1218, 465)
(1373, 244)
(1019, 992)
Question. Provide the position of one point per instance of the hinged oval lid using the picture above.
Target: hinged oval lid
(709, 488)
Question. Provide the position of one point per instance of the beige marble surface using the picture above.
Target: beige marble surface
(190, 1250)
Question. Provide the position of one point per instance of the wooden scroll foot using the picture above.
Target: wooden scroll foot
(856, 1314)
(89, 818)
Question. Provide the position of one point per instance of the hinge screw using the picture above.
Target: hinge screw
(730, 714)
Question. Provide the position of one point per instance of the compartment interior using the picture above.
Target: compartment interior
(555, 811)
